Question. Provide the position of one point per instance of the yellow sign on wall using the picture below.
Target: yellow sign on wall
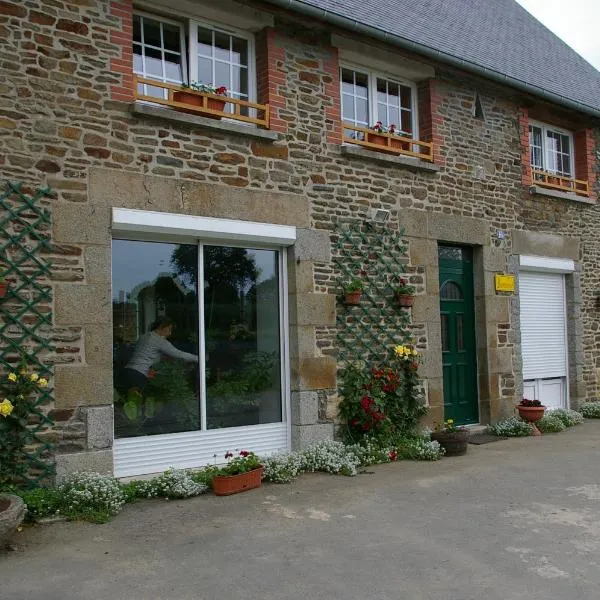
(505, 283)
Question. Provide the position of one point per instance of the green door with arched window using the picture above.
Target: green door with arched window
(457, 316)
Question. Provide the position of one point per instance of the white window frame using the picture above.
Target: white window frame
(545, 128)
(193, 449)
(372, 76)
(182, 48)
(189, 61)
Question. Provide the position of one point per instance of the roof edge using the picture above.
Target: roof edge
(346, 23)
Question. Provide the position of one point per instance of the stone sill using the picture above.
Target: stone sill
(143, 109)
(397, 161)
(550, 193)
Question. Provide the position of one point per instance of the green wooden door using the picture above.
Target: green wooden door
(457, 312)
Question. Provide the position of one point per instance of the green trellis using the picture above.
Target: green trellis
(25, 311)
(378, 256)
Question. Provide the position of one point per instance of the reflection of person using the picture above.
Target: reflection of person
(148, 351)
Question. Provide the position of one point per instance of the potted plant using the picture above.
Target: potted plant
(12, 512)
(3, 285)
(405, 293)
(531, 411)
(198, 101)
(353, 290)
(242, 472)
(402, 145)
(454, 440)
(380, 140)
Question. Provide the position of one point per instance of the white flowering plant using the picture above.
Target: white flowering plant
(511, 427)
(92, 495)
(568, 417)
(550, 424)
(19, 402)
(173, 483)
(590, 410)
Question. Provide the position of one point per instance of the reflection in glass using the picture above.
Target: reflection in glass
(450, 291)
(241, 320)
(155, 338)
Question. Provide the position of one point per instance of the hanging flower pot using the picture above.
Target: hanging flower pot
(405, 300)
(352, 298)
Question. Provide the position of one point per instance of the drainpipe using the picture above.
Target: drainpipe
(350, 24)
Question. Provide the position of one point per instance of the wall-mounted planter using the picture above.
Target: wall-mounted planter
(352, 298)
(405, 300)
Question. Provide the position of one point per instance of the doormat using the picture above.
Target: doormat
(484, 438)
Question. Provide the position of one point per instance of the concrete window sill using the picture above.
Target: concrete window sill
(387, 159)
(538, 190)
(143, 109)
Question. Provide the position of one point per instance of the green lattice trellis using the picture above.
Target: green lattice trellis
(377, 255)
(26, 310)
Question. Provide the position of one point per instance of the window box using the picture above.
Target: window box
(200, 103)
(551, 156)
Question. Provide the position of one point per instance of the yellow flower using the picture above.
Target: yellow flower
(450, 421)
(6, 407)
(398, 349)
(43, 382)
(23, 372)
(12, 376)
(34, 377)
(414, 352)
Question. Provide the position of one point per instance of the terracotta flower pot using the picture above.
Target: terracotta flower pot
(12, 512)
(375, 138)
(455, 443)
(531, 414)
(225, 485)
(399, 144)
(352, 298)
(405, 300)
(3, 288)
(197, 101)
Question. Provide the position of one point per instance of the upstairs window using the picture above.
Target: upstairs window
(551, 149)
(369, 97)
(190, 51)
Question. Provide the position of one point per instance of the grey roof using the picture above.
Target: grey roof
(497, 35)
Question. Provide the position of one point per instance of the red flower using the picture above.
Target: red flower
(366, 403)
(244, 453)
(151, 373)
(354, 422)
(221, 91)
(393, 455)
(228, 454)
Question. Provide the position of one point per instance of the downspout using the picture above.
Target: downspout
(350, 24)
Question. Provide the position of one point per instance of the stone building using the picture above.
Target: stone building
(241, 217)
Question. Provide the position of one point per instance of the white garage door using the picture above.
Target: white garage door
(543, 337)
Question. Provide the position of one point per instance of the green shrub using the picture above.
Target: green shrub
(42, 502)
(550, 424)
(511, 427)
(590, 410)
(568, 417)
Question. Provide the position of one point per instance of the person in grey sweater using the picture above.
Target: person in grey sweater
(148, 351)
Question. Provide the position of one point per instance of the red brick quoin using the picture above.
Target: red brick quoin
(122, 36)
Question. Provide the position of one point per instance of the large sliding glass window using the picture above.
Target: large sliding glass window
(163, 327)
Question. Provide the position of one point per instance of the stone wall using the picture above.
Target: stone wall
(65, 122)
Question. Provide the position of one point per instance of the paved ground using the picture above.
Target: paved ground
(516, 519)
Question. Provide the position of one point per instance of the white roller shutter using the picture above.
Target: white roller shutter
(543, 324)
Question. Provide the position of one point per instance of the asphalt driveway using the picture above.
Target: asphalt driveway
(513, 519)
